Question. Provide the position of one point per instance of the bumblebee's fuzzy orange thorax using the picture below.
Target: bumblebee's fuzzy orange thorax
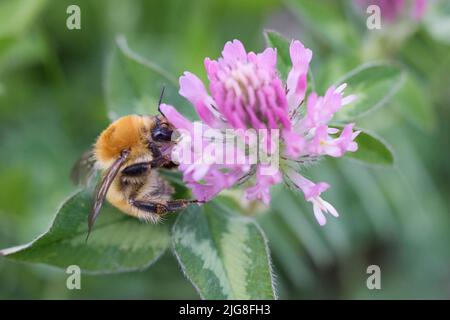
(128, 132)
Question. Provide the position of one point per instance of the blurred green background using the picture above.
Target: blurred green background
(52, 107)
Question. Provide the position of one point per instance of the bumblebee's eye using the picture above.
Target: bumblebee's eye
(162, 133)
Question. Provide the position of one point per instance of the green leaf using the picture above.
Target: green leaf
(25, 50)
(17, 15)
(278, 41)
(413, 102)
(371, 150)
(118, 243)
(133, 84)
(224, 255)
(374, 84)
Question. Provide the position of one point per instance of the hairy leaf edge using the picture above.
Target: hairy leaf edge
(386, 98)
(7, 251)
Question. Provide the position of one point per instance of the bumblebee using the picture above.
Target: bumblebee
(129, 153)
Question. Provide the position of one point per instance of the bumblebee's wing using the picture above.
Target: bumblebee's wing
(102, 189)
(84, 169)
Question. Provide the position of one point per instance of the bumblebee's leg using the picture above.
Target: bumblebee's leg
(162, 207)
(159, 160)
(162, 162)
(150, 206)
(175, 205)
(136, 169)
(156, 153)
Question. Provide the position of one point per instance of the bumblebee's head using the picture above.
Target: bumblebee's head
(162, 130)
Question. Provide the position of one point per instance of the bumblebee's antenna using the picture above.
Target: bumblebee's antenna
(160, 100)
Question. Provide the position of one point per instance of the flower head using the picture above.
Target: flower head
(391, 10)
(246, 88)
(247, 93)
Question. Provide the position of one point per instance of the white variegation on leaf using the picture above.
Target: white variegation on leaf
(224, 255)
